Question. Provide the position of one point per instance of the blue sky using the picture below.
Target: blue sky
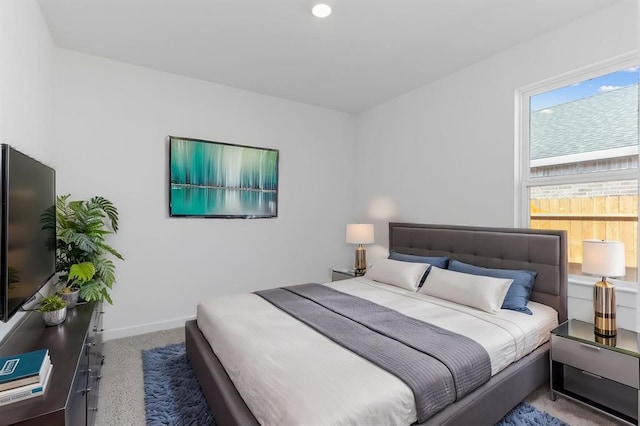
(584, 89)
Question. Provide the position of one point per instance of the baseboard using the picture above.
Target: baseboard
(145, 328)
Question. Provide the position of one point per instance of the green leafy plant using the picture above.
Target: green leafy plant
(78, 230)
(52, 303)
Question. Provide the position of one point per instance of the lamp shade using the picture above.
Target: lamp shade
(603, 258)
(360, 233)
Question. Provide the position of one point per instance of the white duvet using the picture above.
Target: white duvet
(288, 374)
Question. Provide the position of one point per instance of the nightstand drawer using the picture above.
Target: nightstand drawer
(609, 364)
(610, 394)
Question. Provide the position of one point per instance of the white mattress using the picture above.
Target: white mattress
(288, 374)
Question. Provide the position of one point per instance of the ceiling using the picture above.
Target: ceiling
(366, 52)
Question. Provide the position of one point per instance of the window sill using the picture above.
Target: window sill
(581, 287)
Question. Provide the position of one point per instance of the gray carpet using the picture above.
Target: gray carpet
(121, 400)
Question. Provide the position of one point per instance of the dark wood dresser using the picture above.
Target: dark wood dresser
(75, 348)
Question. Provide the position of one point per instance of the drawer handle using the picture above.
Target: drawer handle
(593, 348)
(591, 374)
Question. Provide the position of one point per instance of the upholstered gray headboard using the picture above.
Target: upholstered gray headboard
(544, 251)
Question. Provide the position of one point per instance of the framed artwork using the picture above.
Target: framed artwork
(222, 180)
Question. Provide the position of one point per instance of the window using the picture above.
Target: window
(579, 151)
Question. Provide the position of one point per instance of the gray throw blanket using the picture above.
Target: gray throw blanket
(438, 366)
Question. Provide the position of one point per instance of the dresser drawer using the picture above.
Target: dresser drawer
(609, 364)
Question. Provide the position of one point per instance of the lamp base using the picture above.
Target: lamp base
(608, 341)
(360, 266)
(604, 306)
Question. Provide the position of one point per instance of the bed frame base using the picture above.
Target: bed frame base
(485, 406)
(225, 402)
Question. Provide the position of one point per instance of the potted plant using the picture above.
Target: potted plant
(78, 231)
(54, 309)
(70, 295)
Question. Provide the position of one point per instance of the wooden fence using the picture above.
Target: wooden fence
(606, 217)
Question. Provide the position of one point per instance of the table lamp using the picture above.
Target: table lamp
(606, 259)
(360, 233)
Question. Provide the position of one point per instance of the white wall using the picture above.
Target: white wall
(111, 120)
(26, 79)
(445, 153)
(26, 86)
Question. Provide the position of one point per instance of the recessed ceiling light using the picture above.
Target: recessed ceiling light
(321, 10)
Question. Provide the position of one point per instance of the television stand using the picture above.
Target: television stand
(75, 348)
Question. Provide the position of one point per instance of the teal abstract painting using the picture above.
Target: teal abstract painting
(215, 179)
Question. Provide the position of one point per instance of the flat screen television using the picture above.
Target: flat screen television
(26, 261)
(222, 180)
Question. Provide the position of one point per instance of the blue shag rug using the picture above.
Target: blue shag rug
(525, 414)
(173, 397)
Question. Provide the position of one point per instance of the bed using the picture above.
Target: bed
(503, 248)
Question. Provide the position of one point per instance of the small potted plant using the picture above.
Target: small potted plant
(70, 295)
(79, 273)
(54, 309)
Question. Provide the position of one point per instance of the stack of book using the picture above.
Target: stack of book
(24, 376)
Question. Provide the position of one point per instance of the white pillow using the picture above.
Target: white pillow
(485, 293)
(405, 275)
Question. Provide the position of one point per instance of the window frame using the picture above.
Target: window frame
(523, 180)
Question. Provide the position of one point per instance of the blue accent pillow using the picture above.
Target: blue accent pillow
(520, 290)
(437, 261)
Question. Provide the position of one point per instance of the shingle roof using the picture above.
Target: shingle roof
(604, 121)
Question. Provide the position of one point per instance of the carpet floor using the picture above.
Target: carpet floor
(173, 396)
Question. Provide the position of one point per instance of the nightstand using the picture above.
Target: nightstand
(603, 376)
(338, 274)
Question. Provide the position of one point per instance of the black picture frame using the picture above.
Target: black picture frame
(222, 180)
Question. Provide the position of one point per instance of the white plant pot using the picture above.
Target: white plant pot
(55, 317)
(70, 298)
